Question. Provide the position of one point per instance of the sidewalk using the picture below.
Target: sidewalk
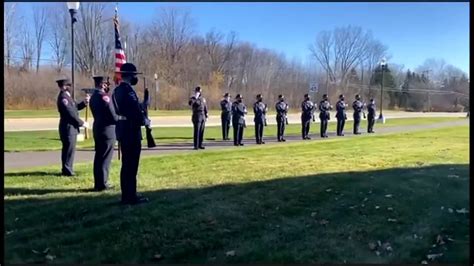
(34, 124)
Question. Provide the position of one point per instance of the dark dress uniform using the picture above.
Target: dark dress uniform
(199, 116)
(226, 116)
(357, 106)
(238, 122)
(103, 130)
(371, 117)
(69, 123)
(282, 109)
(129, 134)
(260, 111)
(324, 116)
(341, 117)
(307, 113)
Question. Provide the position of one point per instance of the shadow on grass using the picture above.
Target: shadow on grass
(33, 173)
(22, 191)
(319, 218)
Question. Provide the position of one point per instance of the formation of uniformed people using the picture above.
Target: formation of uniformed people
(358, 107)
(128, 132)
(103, 130)
(341, 116)
(199, 117)
(69, 124)
(239, 110)
(307, 114)
(324, 116)
(260, 111)
(121, 116)
(371, 116)
(281, 108)
(226, 116)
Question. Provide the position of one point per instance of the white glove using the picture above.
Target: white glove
(85, 125)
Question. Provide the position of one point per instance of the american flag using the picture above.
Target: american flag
(120, 58)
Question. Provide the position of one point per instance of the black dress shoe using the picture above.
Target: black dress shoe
(283, 139)
(135, 201)
(202, 147)
(107, 187)
(235, 144)
(308, 138)
(68, 174)
(195, 148)
(241, 144)
(263, 142)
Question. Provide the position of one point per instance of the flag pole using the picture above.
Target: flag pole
(116, 78)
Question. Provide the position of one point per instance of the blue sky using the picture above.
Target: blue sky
(412, 31)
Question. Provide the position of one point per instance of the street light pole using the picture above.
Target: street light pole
(383, 65)
(156, 89)
(73, 7)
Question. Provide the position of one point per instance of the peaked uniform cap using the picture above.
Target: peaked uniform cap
(129, 68)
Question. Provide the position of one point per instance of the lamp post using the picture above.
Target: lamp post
(156, 89)
(73, 7)
(383, 66)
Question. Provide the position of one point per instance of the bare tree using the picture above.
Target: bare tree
(219, 53)
(172, 31)
(9, 31)
(91, 50)
(341, 50)
(27, 45)
(59, 35)
(40, 20)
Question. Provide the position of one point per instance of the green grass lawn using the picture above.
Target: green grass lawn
(319, 202)
(49, 140)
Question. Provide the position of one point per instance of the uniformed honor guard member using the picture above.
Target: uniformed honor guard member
(199, 107)
(238, 120)
(103, 130)
(371, 108)
(324, 116)
(307, 114)
(131, 118)
(282, 111)
(260, 110)
(358, 107)
(226, 116)
(69, 124)
(341, 115)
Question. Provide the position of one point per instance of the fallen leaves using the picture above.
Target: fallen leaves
(46, 254)
(434, 256)
(379, 248)
(462, 211)
(323, 222)
(230, 253)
